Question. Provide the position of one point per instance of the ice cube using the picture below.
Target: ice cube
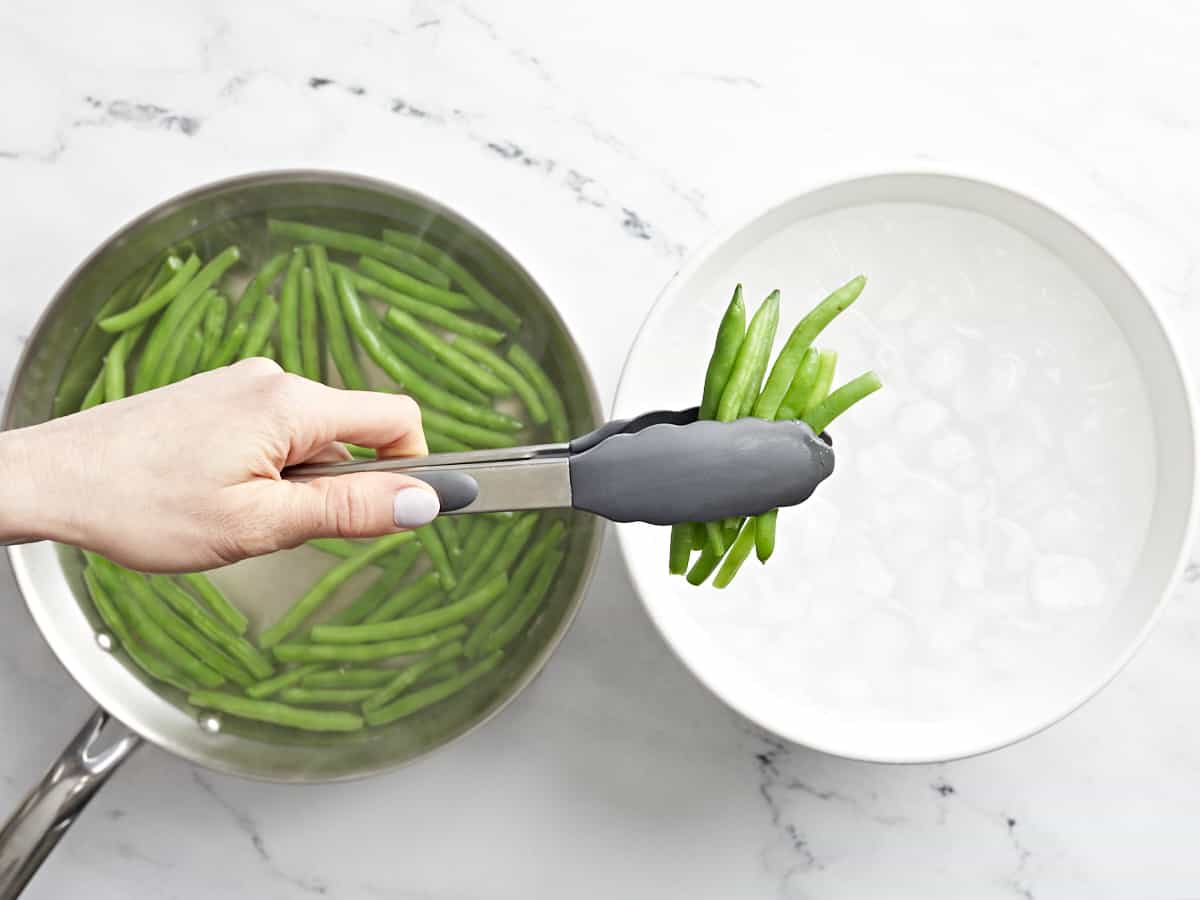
(949, 449)
(943, 366)
(921, 419)
(1063, 582)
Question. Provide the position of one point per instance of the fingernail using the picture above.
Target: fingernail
(414, 507)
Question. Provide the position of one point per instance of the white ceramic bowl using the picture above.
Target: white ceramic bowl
(1074, 646)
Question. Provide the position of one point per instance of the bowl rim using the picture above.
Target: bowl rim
(125, 710)
(837, 178)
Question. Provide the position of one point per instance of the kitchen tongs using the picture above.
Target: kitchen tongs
(662, 467)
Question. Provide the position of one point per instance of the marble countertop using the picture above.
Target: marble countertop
(601, 143)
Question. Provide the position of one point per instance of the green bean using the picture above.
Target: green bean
(369, 600)
(319, 696)
(258, 288)
(95, 394)
(214, 329)
(160, 337)
(348, 678)
(116, 359)
(752, 355)
(311, 356)
(348, 242)
(229, 346)
(430, 312)
(189, 356)
(327, 584)
(440, 443)
(737, 555)
(826, 368)
(428, 366)
(151, 304)
(433, 601)
(277, 713)
(360, 452)
(483, 298)
(418, 700)
(681, 548)
(510, 375)
(515, 539)
(729, 339)
(283, 680)
(448, 532)
(410, 626)
(708, 560)
(235, 646)
(526, 569)
(424, 391)
(289, 315)
(529, 604)
(798, 342)
(225, 611)
(448, 354)
(480, 562)
(135, 607)
(401, 601)
(410, 675)
(180, 340)
(337, 546)
(156, 668)
(528, 367)
(389, 277)
(440, 672)
(336, 338)
(367, 652)
(802, 384)
(473, 436)
(260, 329)
(820, 416)
(184, 634)
(436, 551)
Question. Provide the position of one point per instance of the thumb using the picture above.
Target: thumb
(365, 504)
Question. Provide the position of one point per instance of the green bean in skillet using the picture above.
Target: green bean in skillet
(518, 581)
(95, 394)
(214, 330)
(436, 551)
(480, 562)
(236, 647)
(162, 333)
(132, 604)
(178, 342)
(515, 539)
(337, 546)
(289, 315)
(528, 366)
(411, 287)
(147, 307)
(336, 339)
(418, 700)
(399, 602)
(473, 541)
(227, 350)
(117, 359)
(394, 571)
(410, 675)
(752, 358)
(429, 312)
(428, 366)
(360, 452)
(189, 356)
(259, 287)
(528, 606)
(472, 435)
(183, 633)
(334, 578)
(440, 672)
(224, 611)
(302, 696)
(349, 678)
(821, 415)
(448, 532)
(367, 652)
(440, 443)
(311, 356)
(285, 679)
(739, 551)
(447, 354)
(482, 297)
(789, 358)
(422, 390)
(433, 601)
(509, 374)
(411, 626)
(259, 334)
(349, 242)
(277, 713)
(156, 668)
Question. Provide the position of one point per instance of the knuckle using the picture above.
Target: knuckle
(257, 366)
(347, 510)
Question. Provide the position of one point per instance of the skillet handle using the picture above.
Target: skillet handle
(53, 805)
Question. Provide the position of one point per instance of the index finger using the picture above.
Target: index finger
(388, 423)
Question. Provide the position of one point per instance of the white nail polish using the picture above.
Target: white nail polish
(414, 507)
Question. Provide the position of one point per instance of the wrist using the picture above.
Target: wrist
(26, 510)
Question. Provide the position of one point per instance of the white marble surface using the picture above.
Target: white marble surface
(601, 142)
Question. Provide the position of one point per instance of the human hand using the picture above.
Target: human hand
(187, 477)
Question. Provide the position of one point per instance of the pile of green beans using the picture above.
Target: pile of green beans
(392, 313)
(798, 387)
